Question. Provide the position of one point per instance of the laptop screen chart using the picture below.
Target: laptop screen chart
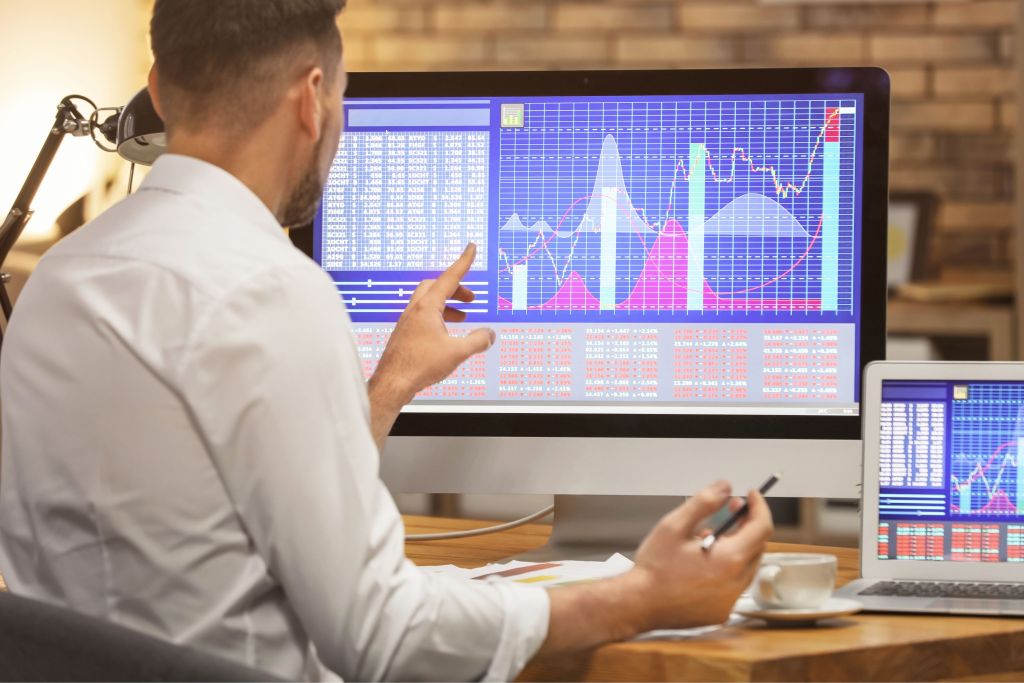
(649, 254)
(950, 486)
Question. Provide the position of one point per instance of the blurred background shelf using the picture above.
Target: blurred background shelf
(992, 322)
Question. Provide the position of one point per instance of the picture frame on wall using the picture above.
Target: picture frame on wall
(911, 224)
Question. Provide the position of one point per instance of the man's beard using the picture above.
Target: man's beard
(305, 198)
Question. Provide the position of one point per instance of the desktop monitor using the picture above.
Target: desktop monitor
(685, 270)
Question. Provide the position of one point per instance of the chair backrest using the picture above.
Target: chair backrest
(43, 642)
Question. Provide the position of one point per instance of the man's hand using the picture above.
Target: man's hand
(421, 352)
(674, 584)
(691, 586)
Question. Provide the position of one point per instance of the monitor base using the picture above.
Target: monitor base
(597, 527)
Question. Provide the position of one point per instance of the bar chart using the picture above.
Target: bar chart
(609, 209)
(987, 443)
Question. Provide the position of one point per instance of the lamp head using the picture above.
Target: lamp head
(140, 131)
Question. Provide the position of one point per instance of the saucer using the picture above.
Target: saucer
(831, 608)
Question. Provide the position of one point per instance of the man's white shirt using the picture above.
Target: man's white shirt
(187, 452)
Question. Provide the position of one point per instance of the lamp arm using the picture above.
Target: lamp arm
(68, 120)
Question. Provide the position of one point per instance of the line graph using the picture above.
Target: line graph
(987, 444)
(731, 206)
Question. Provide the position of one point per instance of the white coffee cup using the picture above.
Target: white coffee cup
(794, 580)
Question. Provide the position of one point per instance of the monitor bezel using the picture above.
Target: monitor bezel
(872, 82)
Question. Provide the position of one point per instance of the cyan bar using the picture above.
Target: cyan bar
(519, 290)
(695, 230)
(830, 230)
(609, 237)
(965, 498)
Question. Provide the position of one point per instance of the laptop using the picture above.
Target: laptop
(942, 526)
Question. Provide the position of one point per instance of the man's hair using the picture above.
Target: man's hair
(227, 62)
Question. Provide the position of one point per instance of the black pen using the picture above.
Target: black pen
(709, 540)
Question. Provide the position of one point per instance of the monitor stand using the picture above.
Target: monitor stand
(596, 527)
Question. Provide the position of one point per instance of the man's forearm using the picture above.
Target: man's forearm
(385, 404)
(586, 615)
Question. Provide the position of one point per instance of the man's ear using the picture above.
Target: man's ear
(154, 93)
(311, 113)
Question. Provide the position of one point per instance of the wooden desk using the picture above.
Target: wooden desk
(858, 648)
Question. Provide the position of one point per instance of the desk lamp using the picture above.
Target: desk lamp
(135, 131)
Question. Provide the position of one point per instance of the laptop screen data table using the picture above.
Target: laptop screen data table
(647, 254)
(950, 486)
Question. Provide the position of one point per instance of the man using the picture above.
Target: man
(189, 447)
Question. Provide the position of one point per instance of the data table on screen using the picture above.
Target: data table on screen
(406, 202)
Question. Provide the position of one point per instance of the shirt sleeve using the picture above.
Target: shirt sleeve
(273, 380)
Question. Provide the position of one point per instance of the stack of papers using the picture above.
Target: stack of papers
(545, 574)
(551, 574)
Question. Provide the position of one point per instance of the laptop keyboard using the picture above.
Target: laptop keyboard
(940, 589)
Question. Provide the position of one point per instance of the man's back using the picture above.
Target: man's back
(187, 452)
(111, 502)
(188, 442)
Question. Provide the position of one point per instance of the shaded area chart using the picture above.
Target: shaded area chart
(662, 284)
(752, 254)
(988, 440)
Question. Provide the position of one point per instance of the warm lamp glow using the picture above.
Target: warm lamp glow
(70, 176)
(53, 49)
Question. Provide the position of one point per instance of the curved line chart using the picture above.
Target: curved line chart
(751, 253)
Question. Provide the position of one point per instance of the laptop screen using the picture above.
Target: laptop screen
(950, 487)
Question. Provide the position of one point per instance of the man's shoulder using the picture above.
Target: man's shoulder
(161, 277)
(150, 233)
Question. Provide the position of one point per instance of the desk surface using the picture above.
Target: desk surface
(859, 648)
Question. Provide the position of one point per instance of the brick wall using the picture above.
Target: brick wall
(951, 64)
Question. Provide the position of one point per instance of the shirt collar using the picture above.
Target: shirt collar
(212, 185)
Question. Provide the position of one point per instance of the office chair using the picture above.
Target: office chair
(43, 642)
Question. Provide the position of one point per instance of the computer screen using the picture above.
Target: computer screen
(685, 270)
(640, 254)
(950, 486)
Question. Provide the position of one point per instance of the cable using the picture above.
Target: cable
(485, 530)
